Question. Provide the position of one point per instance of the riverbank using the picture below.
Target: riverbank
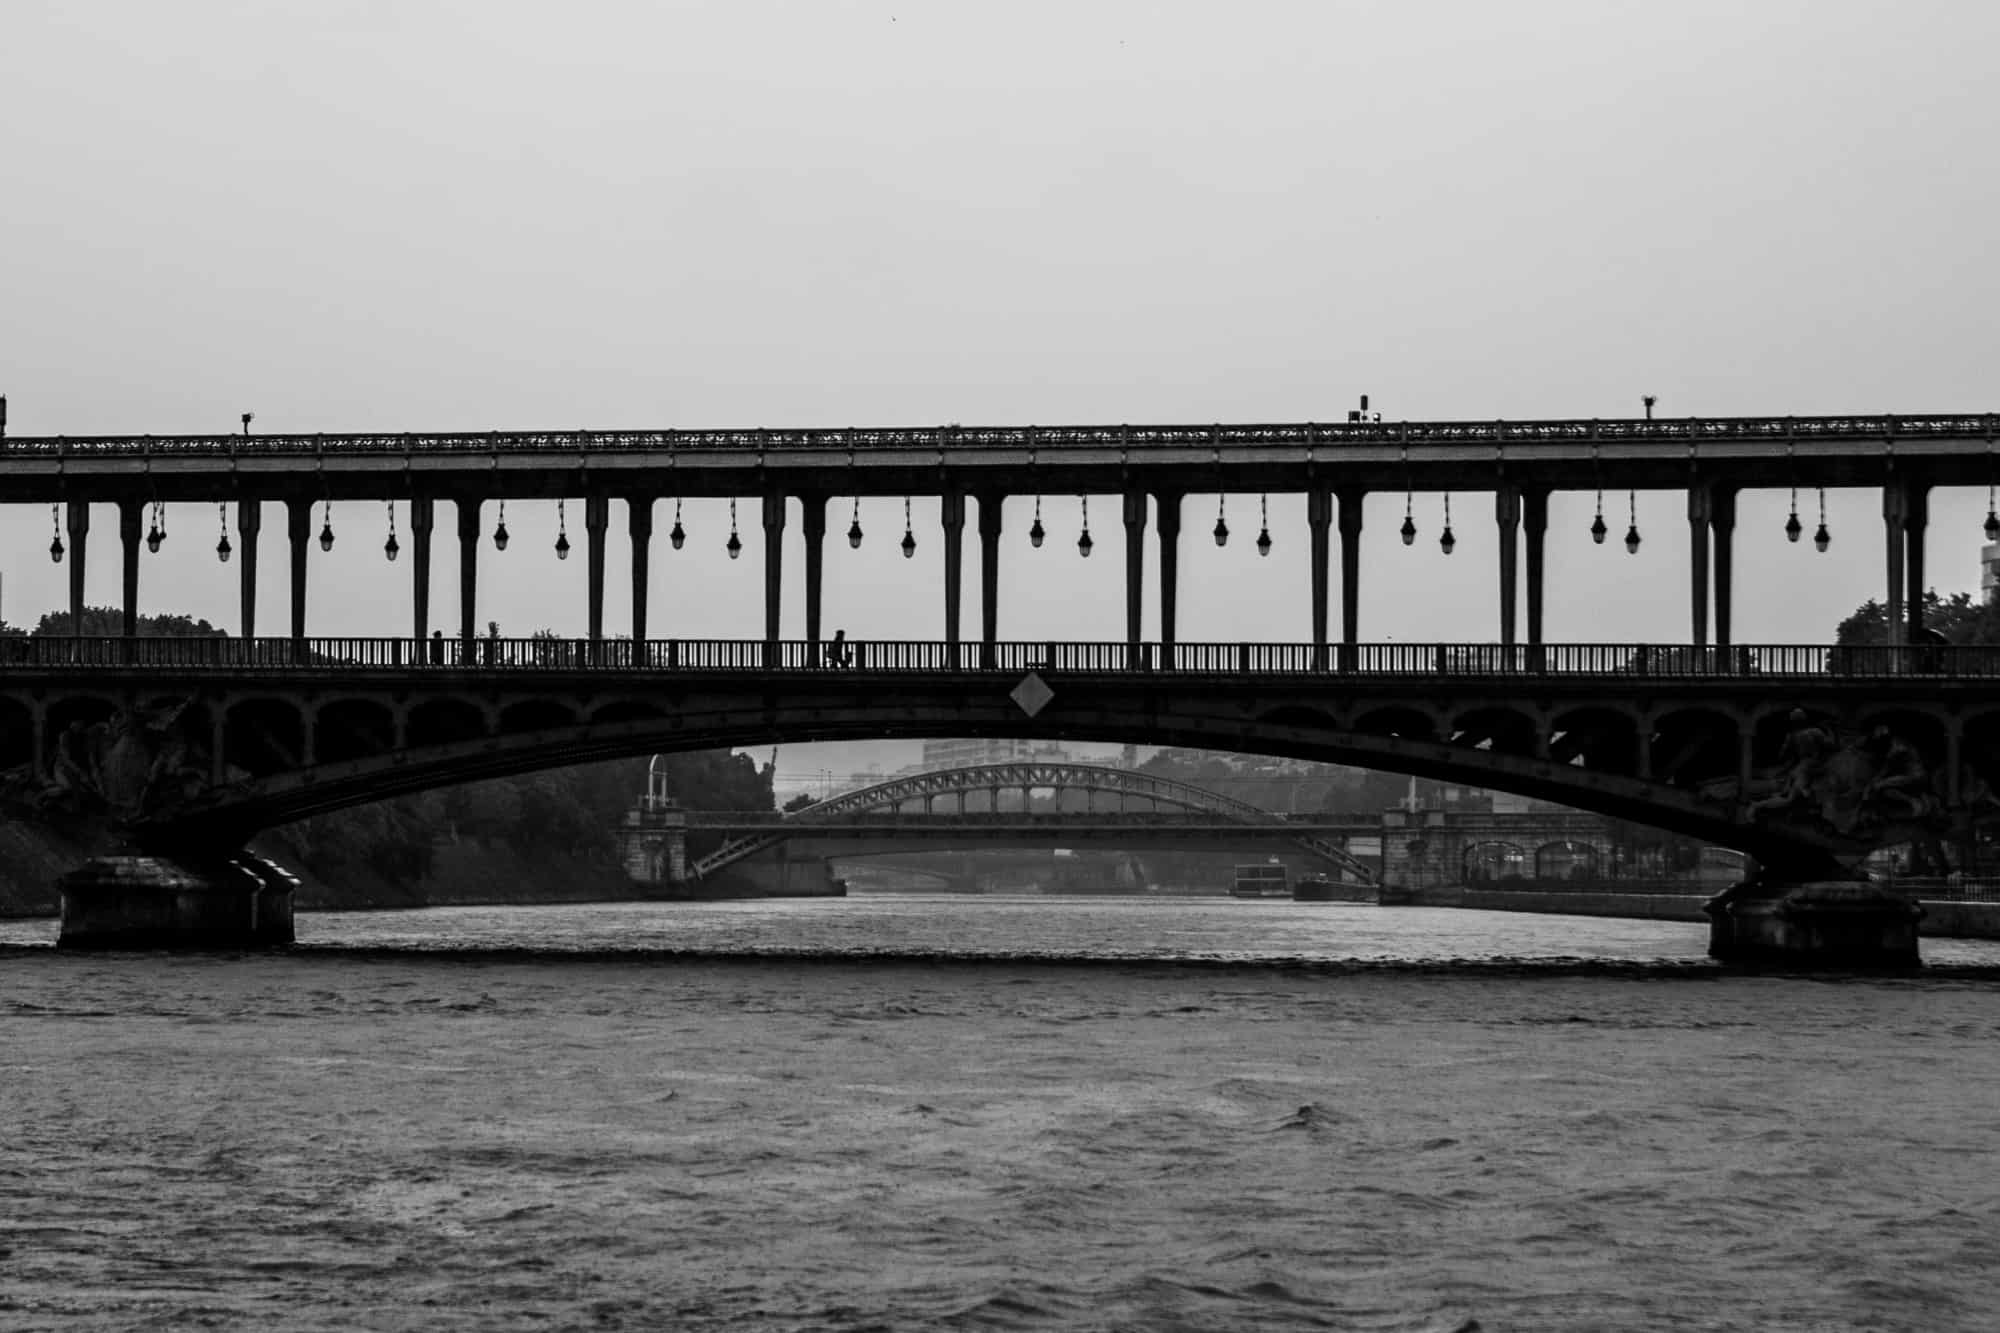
(464, 873)
(1942, 920)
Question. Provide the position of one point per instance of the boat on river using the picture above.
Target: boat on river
(1313, 889)
(1265, 879)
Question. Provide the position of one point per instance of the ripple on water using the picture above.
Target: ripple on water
(521, 1128)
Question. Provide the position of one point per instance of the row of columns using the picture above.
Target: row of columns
(1518, 512)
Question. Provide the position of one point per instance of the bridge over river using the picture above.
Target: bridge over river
(1176, 814)
(1803, 757)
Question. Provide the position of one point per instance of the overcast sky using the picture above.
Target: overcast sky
(487, 215)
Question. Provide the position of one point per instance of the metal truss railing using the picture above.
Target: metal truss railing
(1135, 439)
(1626, 661)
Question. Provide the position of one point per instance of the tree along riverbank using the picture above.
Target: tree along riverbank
(539, 837)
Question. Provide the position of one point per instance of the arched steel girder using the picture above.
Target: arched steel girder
(237, 811)
(1016, 777)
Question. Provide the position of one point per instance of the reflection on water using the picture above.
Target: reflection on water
(513, 1118)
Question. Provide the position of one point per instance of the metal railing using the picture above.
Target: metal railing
(1129, 438)
(930, 657)
(1944, 888)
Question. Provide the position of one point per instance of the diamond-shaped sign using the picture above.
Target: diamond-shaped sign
(1032, 695)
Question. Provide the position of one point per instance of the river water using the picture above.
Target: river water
(974, 1113)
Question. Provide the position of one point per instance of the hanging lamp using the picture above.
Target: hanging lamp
(1822, 538)
(1632, 532)
(222, 547)
(326, 528)
(1264, 524)
(735, 543)
(1084, 543)
(679, 534)
(55, 543)
(562, 529)
(500, 529)
(854, 528)
(392, 547)
(1446, 541)
(1221, 523)
(909, 537)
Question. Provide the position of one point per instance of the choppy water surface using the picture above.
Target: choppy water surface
(570, 1117)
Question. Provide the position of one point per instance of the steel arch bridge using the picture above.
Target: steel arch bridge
(1026, 776)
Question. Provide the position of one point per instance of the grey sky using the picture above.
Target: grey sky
(408, 215)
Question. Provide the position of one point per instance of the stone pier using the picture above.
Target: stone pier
(240, 901)
(1831, 924)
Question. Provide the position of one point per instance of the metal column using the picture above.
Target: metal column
(951, 513)
(1319, 524)
(990, 504)
(1134, 509)
(1167, 518)
(423, 519)
(298, 532)
(639, 515)
(1507, 518)
(249, 522)
(812, 523)
(468, 575)
(1351, 502)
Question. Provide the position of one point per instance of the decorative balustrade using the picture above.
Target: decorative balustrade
(1012, 659)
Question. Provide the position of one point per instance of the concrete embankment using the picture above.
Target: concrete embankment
(1942, 920)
